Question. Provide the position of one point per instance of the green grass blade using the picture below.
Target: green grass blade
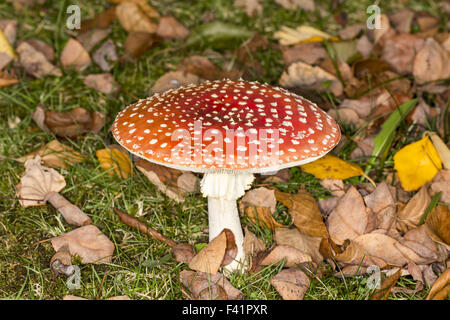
(387, 134)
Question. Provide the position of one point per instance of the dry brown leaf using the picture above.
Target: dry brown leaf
(441, 183)
(200, 66)
(291, 255)
(262, 216)
(87, 242)
(170, 28)
(418, 240)
(310, 53)
(438, 225)
(383, 203)
(9, 28)
(441, 148)
(91, 38)
(7, 79)
(441, 287)
(400, 51)
(258, 197)
(295, 238)
(132, 19)
(345, 115)
(349, 219)
(351, 31)
(137, 43)
(307, 5)
(41, 46)
(106, 55)
(384, 32)
(364, 46)
(401, 20)
(218, 252)
(354, 254)
(101, 21)
(305, 212)
(291, 284)
(173, 80)
(252, 7)
(35, 62)
(103, 82)
(252, 244)
(335, 186)
(388, 249)
(75, 56)
(431, 62)
(173, 183)
(55, 154)
(5, 59)
(386, 286)
(68, 124)
(61, 263)
(205, 286)
(43, 184)
(409, 217)
(300, 74)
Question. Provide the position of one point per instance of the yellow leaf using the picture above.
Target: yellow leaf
(331, 167)
(302, 34)
(114, 158)
(417, 163)
(5, 47)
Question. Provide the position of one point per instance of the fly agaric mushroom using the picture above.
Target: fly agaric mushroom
(227, 130)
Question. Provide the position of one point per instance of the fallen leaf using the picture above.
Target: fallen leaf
(441, 287)
(304, 211)
(218, 252)
(137, 43)
(409, 217)
(431, 62)
(428, 24)
(401, 20)
(418, 240)
(205, 286)
(291, 256)
(383, 203)
(309, 53)
(252, 244)
(288, 36)
(119, 161)
(386, 286)
(41, 46)
(416, 164)
(103, 82)
(295, 238)
(331, 167)
(388, 249)
(384, 31)
(87, 242)
(61, 263)
(438, 225)
(351, 31)
(252, 7)
(400, 51)
(262, 216)
(68, 124)
(218, 35)
(364, 46)
(291, 284)
(4, 60)
(258, 197)
(344, 115)
(91, 38)
(170, 28)
(55, 154)
(173, 80)
(5, 46)
(101, 21)
(354, 254)
(441, 148)
(349, 219)
(300, 74)
(9, 28)
(441, 183)
(106, 55)
(132, 19)
(35, 62)
(7, 79)
(75, 56)
(173, 183)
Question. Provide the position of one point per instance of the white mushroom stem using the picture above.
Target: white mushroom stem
(222, 190)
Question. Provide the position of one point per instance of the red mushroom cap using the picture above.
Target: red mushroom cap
(226, 125)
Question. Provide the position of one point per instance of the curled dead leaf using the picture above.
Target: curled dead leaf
(291, 256)
(291, 284)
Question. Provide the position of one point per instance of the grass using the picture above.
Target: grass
(141, 268)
